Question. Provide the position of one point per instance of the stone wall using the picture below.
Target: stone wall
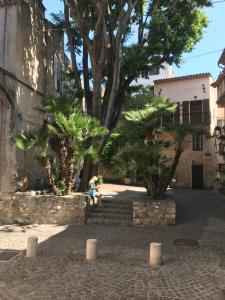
(29, 63)
(154, 213)
(27, 208)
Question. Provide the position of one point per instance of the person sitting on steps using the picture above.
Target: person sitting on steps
(94, 191)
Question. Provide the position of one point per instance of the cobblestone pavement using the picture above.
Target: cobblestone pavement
(121, 271)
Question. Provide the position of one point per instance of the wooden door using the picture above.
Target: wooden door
(197, 177)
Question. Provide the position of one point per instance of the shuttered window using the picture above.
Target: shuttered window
(196, 112)
(197, 142)
(206, 112)
(185, 106)
(176, 117)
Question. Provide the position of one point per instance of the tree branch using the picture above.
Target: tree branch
(71, 44)
(123, 21)
(73, 5)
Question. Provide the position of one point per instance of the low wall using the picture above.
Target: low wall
(154, 213)
(26, 208)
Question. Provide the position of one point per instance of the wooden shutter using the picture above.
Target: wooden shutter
(185, 112)
(196, 116)
(177, 114)
(206, 112)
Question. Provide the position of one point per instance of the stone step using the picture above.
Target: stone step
(113, 212)
(118, 201)
(103, 221)
(106, 215)
(117, 204)
(117, 210)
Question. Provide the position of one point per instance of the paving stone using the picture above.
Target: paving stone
(121, 270)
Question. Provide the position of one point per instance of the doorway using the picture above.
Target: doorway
(197, 177)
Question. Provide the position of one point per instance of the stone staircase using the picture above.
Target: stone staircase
(113, 212)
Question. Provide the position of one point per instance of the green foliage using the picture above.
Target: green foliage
(67, 134)
(151, 114)
(143, 146)
(109, 58)
(152, 36)
(63, 104)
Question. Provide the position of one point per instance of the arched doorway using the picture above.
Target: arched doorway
(5, 145)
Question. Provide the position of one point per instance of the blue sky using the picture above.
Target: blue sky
(194, 62)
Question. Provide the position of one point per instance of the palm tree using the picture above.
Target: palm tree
(66, 132)
(149, 144)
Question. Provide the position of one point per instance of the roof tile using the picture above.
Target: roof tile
(186, 77)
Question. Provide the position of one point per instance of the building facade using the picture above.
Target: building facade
(165, 71)
(31, 60)
(196, 105)
(219, 86)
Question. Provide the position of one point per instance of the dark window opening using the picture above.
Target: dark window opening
(197, 142)
(154, 71)
(221, 149)
(185, 112)
(196, 112)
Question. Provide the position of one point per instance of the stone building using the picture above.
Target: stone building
(31, 60)
(219, 85)
(196, 100)
(165, 71)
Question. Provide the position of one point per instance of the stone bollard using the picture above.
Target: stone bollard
(32, 246)
(155, 257)
(91, 249)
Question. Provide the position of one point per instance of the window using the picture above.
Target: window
(176, 115)
(197, 142)
(221, 172)
(206, 112)
(221, 149)
(221, 123)
(57, 74)
(196, 112)
(172, 118)
(154, 71)
(186, 112)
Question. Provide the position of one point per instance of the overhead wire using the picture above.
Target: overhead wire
(203, 54)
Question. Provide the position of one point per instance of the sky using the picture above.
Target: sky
(205, 56)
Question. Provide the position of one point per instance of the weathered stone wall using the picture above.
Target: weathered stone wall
(206, 158)
(26, 208)
(154, 213)
(28, 47)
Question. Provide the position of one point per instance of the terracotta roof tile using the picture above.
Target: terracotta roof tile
(186, 77)
(219, 79)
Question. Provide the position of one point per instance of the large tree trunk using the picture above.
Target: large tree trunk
(172, 169)
(69, 182)
(149, 185)
(86, 174)
(47, 165)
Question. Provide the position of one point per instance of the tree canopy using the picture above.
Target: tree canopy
(114, 42)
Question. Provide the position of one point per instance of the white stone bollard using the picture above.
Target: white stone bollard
(91, 249)
(155, 257)
(32, 246)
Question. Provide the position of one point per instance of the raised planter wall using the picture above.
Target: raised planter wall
(25, 208)
(153, 213)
